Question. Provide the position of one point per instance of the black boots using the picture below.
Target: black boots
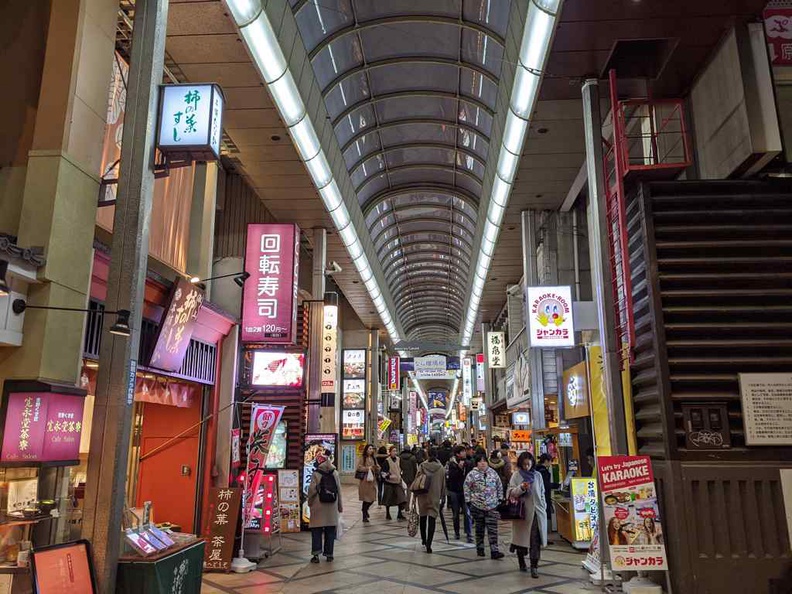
(521, 561)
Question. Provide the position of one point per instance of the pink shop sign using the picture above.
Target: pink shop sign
(269, 303)
(42, 427)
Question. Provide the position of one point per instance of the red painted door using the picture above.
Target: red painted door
(162, 479)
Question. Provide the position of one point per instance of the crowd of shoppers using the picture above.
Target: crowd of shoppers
(474, 485)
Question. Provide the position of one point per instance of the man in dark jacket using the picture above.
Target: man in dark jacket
(409, 466)
(543, 468)
(444, 453)
(456, 471)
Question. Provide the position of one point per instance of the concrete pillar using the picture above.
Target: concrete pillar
(227, 391)
(530, 243)
(374, 382)
(202, 221)
(61, 185)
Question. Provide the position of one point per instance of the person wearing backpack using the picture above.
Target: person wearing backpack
(429, 490)
(325, 503)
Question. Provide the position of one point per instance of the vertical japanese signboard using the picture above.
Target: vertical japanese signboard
(353, 402)
(778, 29)
(176, 328)
(631, 514)
(264, 420)
(269, 303)
(329, 349)
(467, 380)
(550, 320)
(394, 373)
(496, 350)
(480, 385)
(221, 526)
(191, 121)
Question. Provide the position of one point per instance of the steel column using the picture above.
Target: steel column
(601, 271)
(110, 434)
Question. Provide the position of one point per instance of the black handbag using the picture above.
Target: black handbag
(361, 474)
(512, 509)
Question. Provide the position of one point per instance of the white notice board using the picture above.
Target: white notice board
(767, 408)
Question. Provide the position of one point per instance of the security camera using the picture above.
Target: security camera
(333, 268)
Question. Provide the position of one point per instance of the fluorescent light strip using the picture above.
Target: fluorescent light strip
(539, 26)
(262, 42)
(454, 391)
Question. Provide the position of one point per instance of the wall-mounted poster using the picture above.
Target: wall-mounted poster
(353, 423)
(289, 483)
(314, 444)
(355, 364)
(354, 393)
(329, 348)
(348, 458)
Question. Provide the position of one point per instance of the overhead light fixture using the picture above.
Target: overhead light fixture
(4, 288)
(119, 328)
(540, 24)
(264, 48)
(239, 278)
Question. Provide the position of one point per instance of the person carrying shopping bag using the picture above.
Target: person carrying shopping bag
(529, 533)
(366, 472)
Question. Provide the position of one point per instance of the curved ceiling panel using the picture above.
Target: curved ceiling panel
(410, 88)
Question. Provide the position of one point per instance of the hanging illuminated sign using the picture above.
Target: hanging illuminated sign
(394, 376)
(176, 328)
(269, 302)
(467, 380)
(190, 123)
(550, 317)
(329, 349)
(432, 367)
(480, 385)
(496, 350)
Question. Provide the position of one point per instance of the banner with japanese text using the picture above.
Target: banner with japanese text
(631, 514)
(264, 420)
(496, 350)
(269, 302)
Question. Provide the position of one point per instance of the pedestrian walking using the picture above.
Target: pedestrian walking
(543, 468)
(409, 466)
(483, 493)
(366, 472)
(393, 492)
(456, 471)
(444, 452)
(529, 534)
(325, 504)
(429, 502)
(382, 455)
(498, 465)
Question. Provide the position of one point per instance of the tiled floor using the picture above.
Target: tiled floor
(379, 558)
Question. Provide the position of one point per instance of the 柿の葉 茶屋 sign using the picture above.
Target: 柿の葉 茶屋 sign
(190, 125)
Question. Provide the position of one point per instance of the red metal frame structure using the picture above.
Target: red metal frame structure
(649, 141)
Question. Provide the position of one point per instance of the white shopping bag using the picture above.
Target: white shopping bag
(340, 528)
(370, 476)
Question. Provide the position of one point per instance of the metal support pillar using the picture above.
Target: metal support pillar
(110, 434)
(601, 270)
(317, 413)
(374, 392)
(531, 279)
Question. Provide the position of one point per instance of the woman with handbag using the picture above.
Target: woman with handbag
(393, 493)
(429, 489)
(529, 532)
(366, 472)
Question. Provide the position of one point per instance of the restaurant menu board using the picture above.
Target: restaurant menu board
(315, 443)
(353, 413)
(767, 408)
(348, 458)
(63, 569)
(289, 496)
(220, 528)
(585, 508)
(631, 514)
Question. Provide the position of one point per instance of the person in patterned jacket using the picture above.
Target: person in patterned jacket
(483, 493)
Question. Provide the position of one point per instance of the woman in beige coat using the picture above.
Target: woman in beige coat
(429, 503)
(530, 533)
(324, 515)
(393, 494)
(366, 471)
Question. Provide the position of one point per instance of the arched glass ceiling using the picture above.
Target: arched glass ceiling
(410, 88)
